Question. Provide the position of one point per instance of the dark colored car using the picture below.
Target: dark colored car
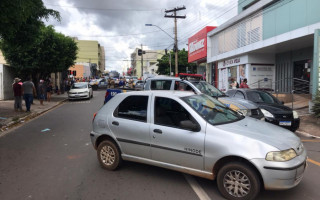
(274, 110)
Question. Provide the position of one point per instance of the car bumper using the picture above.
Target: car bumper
(93, 137)
(79, 96)
(281, 175)
(295, 123)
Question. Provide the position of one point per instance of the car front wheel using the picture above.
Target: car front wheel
(238, 181)
(109, 155)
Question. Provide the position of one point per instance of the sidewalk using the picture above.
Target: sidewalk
(9, 117)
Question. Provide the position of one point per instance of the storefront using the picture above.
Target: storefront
(197, 52)
(259, 70)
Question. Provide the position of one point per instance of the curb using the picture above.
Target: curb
(305, 134)
(28, 117)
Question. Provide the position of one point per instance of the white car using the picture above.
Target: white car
(81, 90)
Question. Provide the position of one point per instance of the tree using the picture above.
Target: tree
(21, 17)
(316, 107)
(183, 65)
(50, 52)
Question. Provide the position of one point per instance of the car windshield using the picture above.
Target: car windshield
(261, 97)
(212, 110)
(79, 86)
(208, 89)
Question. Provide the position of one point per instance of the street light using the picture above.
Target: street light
(176, 57)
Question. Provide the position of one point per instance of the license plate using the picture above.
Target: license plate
(285, 123)
(77, 95)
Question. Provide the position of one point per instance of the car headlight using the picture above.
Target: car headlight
(281, 156)
(295, 115)
(267, 113)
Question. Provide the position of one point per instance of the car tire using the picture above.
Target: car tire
(91, 95)
(238, 181)
(109, 155)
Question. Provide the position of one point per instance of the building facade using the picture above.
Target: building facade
(92, 53)
(272, 43)
(197, 51)
(149, 62)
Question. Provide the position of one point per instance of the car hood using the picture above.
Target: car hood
(268, 133)
(79, 90)
(240, 103)
(274, 108)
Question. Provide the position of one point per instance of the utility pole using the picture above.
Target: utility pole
(141, 62)
(174, 15)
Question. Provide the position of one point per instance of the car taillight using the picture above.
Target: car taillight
(94, 116)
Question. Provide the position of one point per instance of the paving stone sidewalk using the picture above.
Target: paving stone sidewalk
(9, 117)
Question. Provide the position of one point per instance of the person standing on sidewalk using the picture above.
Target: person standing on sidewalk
(17, 91)
(41, 90)
(28, 90)
(244, 84)
(49, 91)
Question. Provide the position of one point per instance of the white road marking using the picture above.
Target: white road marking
(197, 188)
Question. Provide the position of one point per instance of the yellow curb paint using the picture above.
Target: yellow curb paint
(314, 162)
(310, 140)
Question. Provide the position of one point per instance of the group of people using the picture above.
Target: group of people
(27, 91)
(234, 84)
(122, 83)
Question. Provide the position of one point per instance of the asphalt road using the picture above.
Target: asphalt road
(61, 163)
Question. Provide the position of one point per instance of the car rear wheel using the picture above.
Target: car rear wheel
(109, 155)
(238, 181)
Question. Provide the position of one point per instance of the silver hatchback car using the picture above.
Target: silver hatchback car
(198, 135)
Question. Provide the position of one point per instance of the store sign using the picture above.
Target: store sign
(198, 45)
(231, 62)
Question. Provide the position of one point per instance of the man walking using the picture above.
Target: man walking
(28, 90)
(17, 91)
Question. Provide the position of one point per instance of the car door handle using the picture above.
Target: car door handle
(115, 123)
(157, 131)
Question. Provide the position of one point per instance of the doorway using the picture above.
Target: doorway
(301, 76)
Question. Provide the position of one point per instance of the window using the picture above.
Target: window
(160, 84)
(168, 112)
(182, 86)
(134, 108)
(239, 95)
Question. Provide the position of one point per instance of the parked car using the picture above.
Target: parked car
(198, 135)
(199, 86)
(138, 85)
(80, 90)
(274, 110)
(98, 83)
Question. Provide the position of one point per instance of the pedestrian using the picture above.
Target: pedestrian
(41, 91)
(28, 90)
(112, 83)
(244, 84)
(131, 83)
(17, 92)
(49, 91)
(234, 84)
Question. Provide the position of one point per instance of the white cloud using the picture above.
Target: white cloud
(86, 19)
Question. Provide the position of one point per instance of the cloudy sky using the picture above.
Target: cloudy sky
(119, 25)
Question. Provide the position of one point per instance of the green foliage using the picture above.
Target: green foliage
(21, 17)
(50, 52)
(316, 107)
(164, 66)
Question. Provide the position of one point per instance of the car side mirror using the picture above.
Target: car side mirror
(189, 125)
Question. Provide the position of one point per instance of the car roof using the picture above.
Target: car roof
(164, 78)
(168, 93)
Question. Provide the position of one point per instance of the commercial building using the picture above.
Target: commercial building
(272, 43)
(91, 53)
(149, 62)
(197, 50)
(6, 79)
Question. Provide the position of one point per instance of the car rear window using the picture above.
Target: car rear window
(160, 84)
(133, 108)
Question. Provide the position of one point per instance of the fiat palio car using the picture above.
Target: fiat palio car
(198, 135)
(80, 90)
